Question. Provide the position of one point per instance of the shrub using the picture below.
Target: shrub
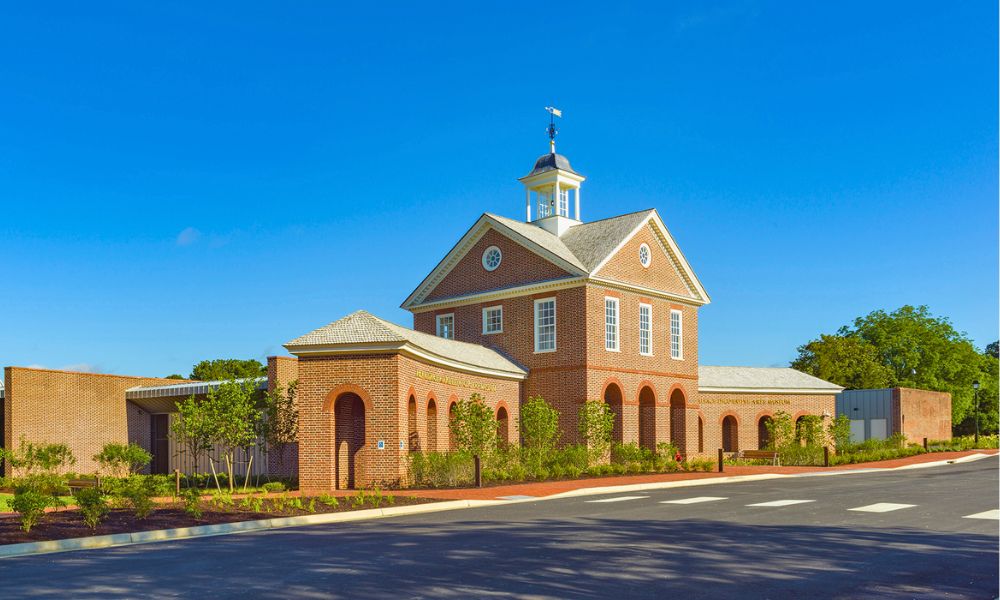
(596, 421)
(809, 430)
(780, 430)
(31, 505)
(138, 494)
(273, 486)
(49, 484)
(441, 469)
(122, 460)
(839, 431)
(330, 501)
(192, 502)
(252, 503)
(93, 506)
(311, 507)
(223, 500)
(30, 458)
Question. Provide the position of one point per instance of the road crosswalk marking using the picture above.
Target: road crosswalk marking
(781, 503)
(695, 500)
(618, 499)
(988, 514)
(881, 507)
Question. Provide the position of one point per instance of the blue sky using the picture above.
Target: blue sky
(180, 182)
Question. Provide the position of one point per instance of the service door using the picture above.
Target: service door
(158, 433)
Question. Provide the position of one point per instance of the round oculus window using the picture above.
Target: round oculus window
(491, 258)
(644, 255)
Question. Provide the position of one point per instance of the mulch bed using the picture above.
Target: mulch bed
(64, 524)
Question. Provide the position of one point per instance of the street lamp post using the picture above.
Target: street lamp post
(975, 392)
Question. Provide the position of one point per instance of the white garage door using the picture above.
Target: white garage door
(878, 429)
(857, 431)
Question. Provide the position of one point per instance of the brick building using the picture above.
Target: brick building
(551, 306)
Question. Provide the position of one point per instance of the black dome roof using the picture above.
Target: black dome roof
(550, 162)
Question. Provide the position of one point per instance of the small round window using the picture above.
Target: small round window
(491, 258)
(644, 256)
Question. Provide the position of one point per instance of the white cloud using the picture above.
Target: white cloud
(188, 236)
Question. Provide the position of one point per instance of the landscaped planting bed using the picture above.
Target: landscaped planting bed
(69, 523)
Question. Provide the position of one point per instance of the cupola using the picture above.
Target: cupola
(553, 188)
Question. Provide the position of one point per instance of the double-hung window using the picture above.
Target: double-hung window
(645, 329)
(493, 319)
(676, 334)
(545, 325)
(446, 326)
(611, 324)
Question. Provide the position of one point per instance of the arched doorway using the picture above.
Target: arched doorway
(730, 434)
(452, 443)
(647, 418)
(764, 432)
(432, 426)
(411, 420)
(678, 425)
(348, 437)
(613, 398)
(503, 431)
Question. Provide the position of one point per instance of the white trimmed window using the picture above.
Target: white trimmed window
(446, 326)
(545, 325)
(611, 324)
(676, 334)
(646, 329)
(493, 319)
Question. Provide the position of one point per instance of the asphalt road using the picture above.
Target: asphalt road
(631, 545)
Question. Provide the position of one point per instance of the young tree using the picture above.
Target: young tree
(233, 414)
(30, 459)
(280, 425)
(228, 368)
(596, 422)
(192, 431)
(539, 429)
(839, 431)
(780, 430)
(474, 426)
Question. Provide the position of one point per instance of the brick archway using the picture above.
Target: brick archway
(432, 423)
(678, 418)
(763, 419)
(647, 417)
(503, 424)
(614, 397)
(730, 426)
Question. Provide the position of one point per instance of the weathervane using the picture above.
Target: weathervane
(552, 131)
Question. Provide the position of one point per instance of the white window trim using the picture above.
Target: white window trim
(618, 324)
(437, 325)
(680, 337)
(650, 331)
(555, 324)
(489, 308)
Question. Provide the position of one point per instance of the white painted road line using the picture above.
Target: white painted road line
(618, 499)
(694, 500)
(989, 514)
(781, 503)
(881, 507)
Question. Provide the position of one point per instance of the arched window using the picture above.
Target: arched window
(647, 418)
(503, 430)
(432, 426)
(613, 398)
(411, 422)
(764, 432)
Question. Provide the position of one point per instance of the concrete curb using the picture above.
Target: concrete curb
(166, 535)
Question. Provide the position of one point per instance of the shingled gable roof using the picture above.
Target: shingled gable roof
(582, 250)
(761, 379)
(362, 331)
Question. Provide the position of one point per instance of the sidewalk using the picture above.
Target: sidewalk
(547, 488)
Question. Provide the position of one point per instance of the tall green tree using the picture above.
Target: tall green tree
(908, 347)
(223, 369)
(234, 417)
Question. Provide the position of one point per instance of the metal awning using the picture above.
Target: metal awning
(184, 389)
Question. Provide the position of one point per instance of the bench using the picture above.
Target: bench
(76, 485)
(770, 455)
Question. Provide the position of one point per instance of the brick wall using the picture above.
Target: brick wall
(281, 371)
(748, 409)
(83, 410)
(922, 414)
(660, 274)
(519, 266)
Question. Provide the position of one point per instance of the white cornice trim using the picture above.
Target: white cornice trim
(407, 349)
(631, 287)
(748, 390)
